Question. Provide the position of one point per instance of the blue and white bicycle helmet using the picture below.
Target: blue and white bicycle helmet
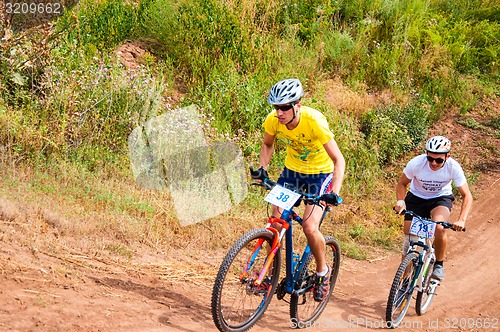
(438, 144)
(285, 92)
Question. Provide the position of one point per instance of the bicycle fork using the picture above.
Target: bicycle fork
(270, 257)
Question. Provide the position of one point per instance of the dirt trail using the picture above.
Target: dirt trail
(115, 298)
(470, 294)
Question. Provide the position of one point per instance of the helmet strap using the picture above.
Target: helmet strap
(294, 114)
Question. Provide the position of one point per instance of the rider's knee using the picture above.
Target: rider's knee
(312, 231)
(309, 231)
(277, 226)
(406, 242)
(440, 233)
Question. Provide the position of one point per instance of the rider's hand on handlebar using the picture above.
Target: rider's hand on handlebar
(332, 199)
(459, 225)
(400, 206)
(259, 175)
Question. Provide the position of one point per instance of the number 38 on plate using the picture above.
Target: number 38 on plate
(282, 197)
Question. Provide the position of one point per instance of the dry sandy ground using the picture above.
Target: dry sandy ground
(71, 292)
(38, 295)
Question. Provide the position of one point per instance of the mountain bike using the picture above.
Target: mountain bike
(414, 272)
(249, 274)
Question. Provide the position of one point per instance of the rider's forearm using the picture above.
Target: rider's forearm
(400, 192)
(266, 152)
(338, 176)
(338, 160)
(466, 206)
(466, 202)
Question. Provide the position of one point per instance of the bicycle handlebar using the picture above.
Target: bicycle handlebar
(331, 198)
(445, 224)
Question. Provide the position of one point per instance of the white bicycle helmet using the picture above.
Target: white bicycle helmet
(438, 144)
(285, 92)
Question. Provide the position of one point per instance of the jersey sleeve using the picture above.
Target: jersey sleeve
(270, 124)
(323, 131)
(458, 175)
(409, 170)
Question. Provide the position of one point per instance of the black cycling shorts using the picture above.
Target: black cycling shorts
(423, 207)
(315, 184)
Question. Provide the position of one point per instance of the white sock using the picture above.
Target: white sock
(323, 273)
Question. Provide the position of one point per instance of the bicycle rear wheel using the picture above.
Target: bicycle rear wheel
(237, 303)
(424, 297)
(304, 310)
(401, 289)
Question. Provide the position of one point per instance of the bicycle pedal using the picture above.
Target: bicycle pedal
(434, 282)
(432, 287)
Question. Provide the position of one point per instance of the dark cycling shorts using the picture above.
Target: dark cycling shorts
(423, 207)
(316, 184)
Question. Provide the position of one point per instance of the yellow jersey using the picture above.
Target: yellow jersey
(304, 144)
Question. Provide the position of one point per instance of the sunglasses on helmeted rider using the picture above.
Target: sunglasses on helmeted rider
(437, 160)
(284, 108)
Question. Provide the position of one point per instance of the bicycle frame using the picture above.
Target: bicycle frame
(249, 275)
(425, 255)
(294, 262)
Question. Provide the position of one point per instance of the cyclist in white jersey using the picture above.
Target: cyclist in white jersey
(430, 195)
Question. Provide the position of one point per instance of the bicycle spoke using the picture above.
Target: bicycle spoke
(304, 310)
(237, 300)
(401, 289)
(424, 297)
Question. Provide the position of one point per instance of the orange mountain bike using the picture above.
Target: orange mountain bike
(249, 274)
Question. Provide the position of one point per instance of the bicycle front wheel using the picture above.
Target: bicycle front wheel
(401, 289)
(304, 310)
(424, 297)
(237, 302)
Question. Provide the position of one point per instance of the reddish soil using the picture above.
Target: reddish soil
(38, 295)
(70, 292)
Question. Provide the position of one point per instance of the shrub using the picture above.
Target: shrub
(101, 23)
(99, 104)
(392, 131)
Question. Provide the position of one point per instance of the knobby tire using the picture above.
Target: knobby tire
(237, 303)
(400, 294)
(304, 310)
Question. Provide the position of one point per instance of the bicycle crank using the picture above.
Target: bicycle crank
(431, 289)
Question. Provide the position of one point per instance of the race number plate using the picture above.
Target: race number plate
(422, 228)
(282, 197)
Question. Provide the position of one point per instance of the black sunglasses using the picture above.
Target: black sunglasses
(437, 160)
(284, 108)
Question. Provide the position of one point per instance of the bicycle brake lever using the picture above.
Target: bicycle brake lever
(402, 212)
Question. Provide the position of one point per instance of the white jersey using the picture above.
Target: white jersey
(426, 183)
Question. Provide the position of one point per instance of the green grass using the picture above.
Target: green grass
(67, 99)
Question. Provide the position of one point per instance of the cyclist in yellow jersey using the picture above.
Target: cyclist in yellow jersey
(311, 155)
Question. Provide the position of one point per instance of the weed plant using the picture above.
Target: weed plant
(65, 98)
